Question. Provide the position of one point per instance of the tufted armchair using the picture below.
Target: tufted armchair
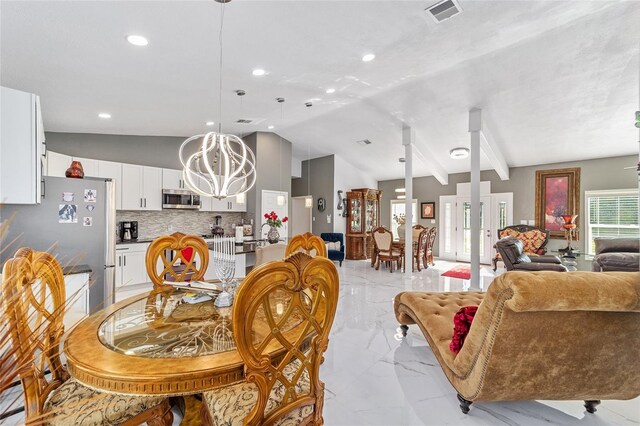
(533, 239)
(537, 335)
(334, 237)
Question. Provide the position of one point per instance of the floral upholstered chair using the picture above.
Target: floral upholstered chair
(533, 238)
(33, 299)
(285, 390)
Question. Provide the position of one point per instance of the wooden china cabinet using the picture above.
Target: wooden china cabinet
(363, 215)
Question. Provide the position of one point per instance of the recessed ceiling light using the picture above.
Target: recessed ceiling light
(401, 190)
(331, 90)
(368, 57)
(258, 72)
(270, 127)
(459, 153)
(210, 123)
(104, 115)
(401, 197)
(137, 40)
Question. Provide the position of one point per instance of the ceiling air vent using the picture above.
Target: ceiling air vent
(364, 142)
(249, 120)
(443, 10)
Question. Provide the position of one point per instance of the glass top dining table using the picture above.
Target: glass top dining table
(159, 343)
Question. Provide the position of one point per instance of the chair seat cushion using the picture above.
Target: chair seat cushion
(75, 404)
(229, 406)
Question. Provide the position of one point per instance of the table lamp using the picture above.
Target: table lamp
(569, 226)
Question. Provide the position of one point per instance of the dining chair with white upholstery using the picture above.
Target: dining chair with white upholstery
(269, 253)
(383, 240)
(33, 299)
(307, 243)
(285, 390)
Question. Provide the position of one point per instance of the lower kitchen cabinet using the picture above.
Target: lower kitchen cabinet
(77, 293)
(130, 265)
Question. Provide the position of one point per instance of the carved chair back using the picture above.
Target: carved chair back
(421, 251)
(432, 233)
(382, 239)
(416, 231)
(309, 288)
(33, 300)
(188, 258)
(306, 243)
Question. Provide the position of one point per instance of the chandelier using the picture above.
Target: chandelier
(216, 164)
(221, 166)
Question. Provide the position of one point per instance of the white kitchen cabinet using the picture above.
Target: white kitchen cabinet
(57, 164)
(77, 293)
(141, 187)
(152, 188)
(130, 265)
(113, 171)
(172, 179)
(90, 167)
(228, 204)
(21, 148)
(236, 206)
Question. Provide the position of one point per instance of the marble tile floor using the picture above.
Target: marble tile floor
(374, 376)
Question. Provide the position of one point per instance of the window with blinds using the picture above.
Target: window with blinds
(611, 214)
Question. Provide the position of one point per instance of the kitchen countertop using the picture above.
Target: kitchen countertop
(76, 269)
(242, 248)
(148, 240)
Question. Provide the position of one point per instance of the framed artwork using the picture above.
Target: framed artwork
(557, 194)
(428, 210)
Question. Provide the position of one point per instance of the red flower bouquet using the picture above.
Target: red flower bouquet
(272, 219)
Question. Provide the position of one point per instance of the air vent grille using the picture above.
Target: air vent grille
(364, 142)
(244, 121)
(443, 10)
(252, 121)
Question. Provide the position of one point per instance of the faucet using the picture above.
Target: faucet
(263, 240)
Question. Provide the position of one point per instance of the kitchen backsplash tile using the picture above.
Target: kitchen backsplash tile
(152, 224)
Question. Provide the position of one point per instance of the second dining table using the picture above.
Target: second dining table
(157, 343)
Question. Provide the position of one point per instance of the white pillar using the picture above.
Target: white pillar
(407, 141)
(475, 127)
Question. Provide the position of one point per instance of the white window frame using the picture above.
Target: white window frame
(415, 215)
(596, 193)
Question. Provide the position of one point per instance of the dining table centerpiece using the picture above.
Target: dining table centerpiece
(274, 222)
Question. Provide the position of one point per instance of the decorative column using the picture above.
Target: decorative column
(407, 141)
(475, 128)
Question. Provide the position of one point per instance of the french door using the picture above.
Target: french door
(463, 234)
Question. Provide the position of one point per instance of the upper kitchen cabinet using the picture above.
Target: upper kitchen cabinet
(113, 171)
(141, 187)
(57, 164)
(22, 148)
(172, 179)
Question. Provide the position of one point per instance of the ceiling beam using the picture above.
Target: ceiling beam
(488, 143)
(436, 168)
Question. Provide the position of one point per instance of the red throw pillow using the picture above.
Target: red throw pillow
(461, 324)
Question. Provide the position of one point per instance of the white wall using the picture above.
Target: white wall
(347, 177)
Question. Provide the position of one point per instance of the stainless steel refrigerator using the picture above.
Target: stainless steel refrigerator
(76, 222)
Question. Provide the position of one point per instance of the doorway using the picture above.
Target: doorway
(301, 216)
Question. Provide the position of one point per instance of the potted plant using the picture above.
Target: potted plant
(274, 223)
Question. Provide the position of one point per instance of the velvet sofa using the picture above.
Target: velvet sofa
(537, 335)
(333, 237)
(617, 254)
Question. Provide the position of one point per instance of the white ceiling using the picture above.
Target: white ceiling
(559, 81)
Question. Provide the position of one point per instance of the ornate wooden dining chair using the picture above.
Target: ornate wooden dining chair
(188, 260)
(419, 256)
(431, 240)
(383, 240)
(416, 230)
(306, 243)
(33, 298)
(273, 310)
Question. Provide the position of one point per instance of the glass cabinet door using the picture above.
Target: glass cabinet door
(355, 214)
(372, 212)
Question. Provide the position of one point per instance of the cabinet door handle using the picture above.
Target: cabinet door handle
(145, 203)
(119, 260)
(125, 260)
(140, 202)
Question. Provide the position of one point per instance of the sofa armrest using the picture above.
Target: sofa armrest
(535, 266)
(546, 259)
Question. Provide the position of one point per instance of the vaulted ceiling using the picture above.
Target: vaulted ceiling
(557, 81)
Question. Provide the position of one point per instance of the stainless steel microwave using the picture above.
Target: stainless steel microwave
(180, 199)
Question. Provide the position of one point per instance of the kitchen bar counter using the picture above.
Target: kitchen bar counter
(76, 269)
(243, 248)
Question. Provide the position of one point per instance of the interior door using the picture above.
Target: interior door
(270, 204)
(463, 233)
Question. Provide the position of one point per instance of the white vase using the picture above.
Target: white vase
(401, 229)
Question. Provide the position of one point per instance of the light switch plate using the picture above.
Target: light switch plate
(532, 222)
(523, 222)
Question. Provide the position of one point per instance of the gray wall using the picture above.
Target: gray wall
(317, 177)
(155, 151)
(599, 174)
(273, 165)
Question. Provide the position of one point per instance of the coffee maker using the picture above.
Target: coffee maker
(128, 230)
